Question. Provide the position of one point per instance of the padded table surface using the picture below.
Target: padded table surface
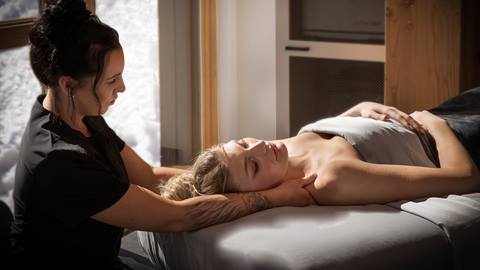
(459, 218)
(314, 237)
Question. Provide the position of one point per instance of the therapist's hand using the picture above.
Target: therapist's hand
(292, 192)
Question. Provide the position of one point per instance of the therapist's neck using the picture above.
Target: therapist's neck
(62, 111)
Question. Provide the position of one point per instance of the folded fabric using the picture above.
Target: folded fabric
(459, 218)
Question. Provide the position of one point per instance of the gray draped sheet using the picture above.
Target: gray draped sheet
(434, 233)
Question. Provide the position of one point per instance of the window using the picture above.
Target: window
(18, 85)
(135, 116)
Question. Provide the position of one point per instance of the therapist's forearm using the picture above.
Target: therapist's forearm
(161, 174)
(164, 173)
(203, 211)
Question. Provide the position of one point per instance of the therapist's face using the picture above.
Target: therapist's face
(108, 86)
(255, 164)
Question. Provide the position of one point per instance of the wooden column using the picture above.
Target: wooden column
(208, 72)
(423, 49)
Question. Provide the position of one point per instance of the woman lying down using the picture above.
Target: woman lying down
(372, 153)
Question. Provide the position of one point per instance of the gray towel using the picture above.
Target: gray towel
(381, 142)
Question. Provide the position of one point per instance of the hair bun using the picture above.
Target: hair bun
(62, 17)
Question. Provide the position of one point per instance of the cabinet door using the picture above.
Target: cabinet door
(308, 60)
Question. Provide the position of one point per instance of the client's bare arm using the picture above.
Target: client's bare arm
(451, 152)
(359, 182)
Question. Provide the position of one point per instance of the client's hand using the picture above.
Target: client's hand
(432, 123)
(293, 192)
(383, 112)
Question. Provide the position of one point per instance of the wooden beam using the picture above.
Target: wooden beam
(208, 72)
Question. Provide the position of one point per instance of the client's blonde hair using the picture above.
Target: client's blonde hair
(209, 175)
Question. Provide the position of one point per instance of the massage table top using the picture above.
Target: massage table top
(433, 233)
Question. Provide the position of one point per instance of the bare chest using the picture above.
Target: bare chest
(323, 148)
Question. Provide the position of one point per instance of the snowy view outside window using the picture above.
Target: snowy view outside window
(14, 9)
(135, 115)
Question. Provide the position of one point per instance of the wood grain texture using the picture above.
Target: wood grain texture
(470, 64)
(15, 32)
(208, 72)
(422, 66)
(90, 5)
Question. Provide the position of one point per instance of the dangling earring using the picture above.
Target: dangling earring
(72, 96)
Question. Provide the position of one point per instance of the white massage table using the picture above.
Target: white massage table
(436, 233)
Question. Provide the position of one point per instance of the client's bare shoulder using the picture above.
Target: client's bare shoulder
(322, 151)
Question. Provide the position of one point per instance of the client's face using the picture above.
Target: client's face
(255, 164)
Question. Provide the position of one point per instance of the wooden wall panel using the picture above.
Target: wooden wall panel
(470, 65)
(90, 5)
(422, 65)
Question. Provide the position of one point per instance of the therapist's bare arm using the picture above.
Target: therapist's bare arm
(142, 174)
(142, 209)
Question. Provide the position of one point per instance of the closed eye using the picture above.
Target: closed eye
(255, 167)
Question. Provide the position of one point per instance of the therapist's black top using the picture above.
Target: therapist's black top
(62, 179)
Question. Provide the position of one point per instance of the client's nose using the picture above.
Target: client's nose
(258, 147)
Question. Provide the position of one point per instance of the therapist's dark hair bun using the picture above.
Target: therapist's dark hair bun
(61, 21)
(69, 40)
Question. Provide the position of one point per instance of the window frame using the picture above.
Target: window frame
(17, 30)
